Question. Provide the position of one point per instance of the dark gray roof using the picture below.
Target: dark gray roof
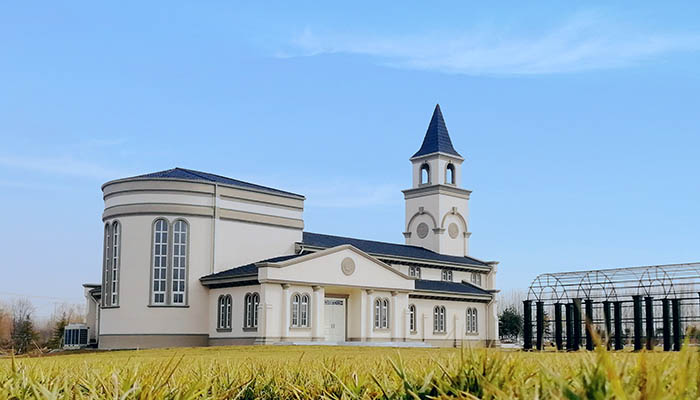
(246, 270)
(449, 287)
(379, 249)
(437, 139)
(189, 174)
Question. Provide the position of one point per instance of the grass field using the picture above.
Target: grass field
(276, 372)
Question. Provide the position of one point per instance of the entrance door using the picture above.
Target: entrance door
(334, 315)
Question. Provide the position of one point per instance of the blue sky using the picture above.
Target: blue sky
(579, 122)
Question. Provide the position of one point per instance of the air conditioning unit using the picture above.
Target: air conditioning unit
(75, 336)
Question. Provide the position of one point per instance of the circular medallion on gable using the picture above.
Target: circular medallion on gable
(422, 230)
(453, 230)
(347, 266)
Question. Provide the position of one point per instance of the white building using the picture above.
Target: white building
(196, 259)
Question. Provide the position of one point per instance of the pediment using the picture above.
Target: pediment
(342, 265)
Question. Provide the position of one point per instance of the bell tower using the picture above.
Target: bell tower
(437, 208)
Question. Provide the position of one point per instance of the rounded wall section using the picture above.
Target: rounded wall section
(180, 316)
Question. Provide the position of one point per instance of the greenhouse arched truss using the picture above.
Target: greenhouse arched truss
(646, 306)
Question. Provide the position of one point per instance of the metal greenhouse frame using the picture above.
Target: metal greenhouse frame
(643, 305)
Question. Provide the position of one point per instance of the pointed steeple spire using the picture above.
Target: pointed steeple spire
(436, 138)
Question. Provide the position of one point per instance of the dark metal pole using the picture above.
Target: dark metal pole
(539, 316)
(577, 324)
(569, 326)
(527, 324)
(637, 322)
(676, 305)
(608, 323)
(649, 303)
(617, 308)
(589, 325)
(666, 313)
(557, 325)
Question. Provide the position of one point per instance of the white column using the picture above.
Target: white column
(317, 319)
(370, 315)
(284, 311)
(396, 317)
(492, 323)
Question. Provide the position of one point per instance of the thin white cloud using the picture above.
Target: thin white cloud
(585, 42)
(66, 166)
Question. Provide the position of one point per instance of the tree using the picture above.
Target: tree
(510, 323)
(23, 334)
(56, 340)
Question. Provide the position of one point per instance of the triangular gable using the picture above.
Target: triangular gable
(331, 267)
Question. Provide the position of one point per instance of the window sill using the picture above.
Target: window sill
(412, 332)
(167, 306)
(250, 329)
(223, 329)
(300, 328)
(108, 307)
(439, 333)
(472, 334)
(382, 329)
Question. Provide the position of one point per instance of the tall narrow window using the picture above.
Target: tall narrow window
(160, 261)
(472, 320)
(224, 312)
(296, 300)
(424, 174)
(179, 262)
(114, 275)
(250, 318)
(304, 311)
(412, 318)
(439, 319)
(450, 174)
(106, 267)
(447, 275)
(381, 313)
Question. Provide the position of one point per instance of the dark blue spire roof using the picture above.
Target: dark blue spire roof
(436, 138)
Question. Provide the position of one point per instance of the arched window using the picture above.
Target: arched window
(472, 321)
(439, 319)
(447, 275)
(304, 310)
(179, 261)
(414, 271)
(381, 313)
(476, 278)
(424, 174)
(160, 261)
(250, 313)
(114, 275)
(450, 174)
(224, 312)
(412, 318)
(301, 305)
(106, 269)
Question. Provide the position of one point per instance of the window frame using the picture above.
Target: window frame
(160, 257)
(439, 319)
(251, 301)
(414, 271)
(382, 319)
(447, 275)
(476, 278)
(169, 255)
(183, 259)
(412, 318)
(224, 311)
(300, 304)
(116, 263)
(472, 321)
(106, 259)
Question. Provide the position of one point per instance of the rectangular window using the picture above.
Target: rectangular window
(179, 261)
(114, 276)
(447, 275)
